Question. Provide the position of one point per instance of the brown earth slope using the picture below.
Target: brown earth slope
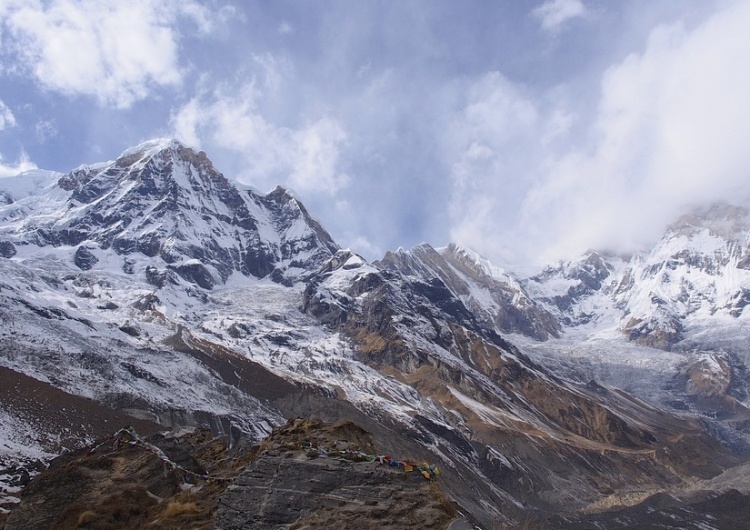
(56, 420)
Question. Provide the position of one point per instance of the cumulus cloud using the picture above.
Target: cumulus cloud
(7, 119)
(363, 246)
(14, 168)
(670, 132)
(490, 144)
(9, 169)
(531, 182)
(315, 150)
(305, 158)
(116, 52)
(553, 14)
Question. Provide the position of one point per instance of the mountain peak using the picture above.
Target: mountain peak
(152, 146)
(475, 260)
(166, 202)
(721, 219)
(165, 149)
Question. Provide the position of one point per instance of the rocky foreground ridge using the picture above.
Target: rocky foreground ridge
(307, 474)
(155, 289)
(196, 481)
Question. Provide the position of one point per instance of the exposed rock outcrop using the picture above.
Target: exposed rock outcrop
(7, 249)
(84, 258)
(287, 486)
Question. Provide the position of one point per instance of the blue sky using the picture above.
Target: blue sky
(526, 130)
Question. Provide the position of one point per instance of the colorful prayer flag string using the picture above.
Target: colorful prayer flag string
(127, 435)
(428, 471)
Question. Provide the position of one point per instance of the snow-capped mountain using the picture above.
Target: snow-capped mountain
(165, 202)
(488, 292)
(699, 272)
(668, 324)
(155, 287)
(572, 290)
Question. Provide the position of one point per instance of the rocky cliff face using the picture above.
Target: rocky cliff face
(312, 475)
(567, 287)
(694, 274)
(487, 292)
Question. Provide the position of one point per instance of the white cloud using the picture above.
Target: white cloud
(285, 28)
(272, 72)
(186, 121)
(553, 14)
(116, 52)
(671, 132)
(22, 164)
(362, 246)
(315, 150)
(489, 145)
(531, 182)
(207, 20)
(45, 130)
(6, 117)
(557, 126)
(305, 158)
